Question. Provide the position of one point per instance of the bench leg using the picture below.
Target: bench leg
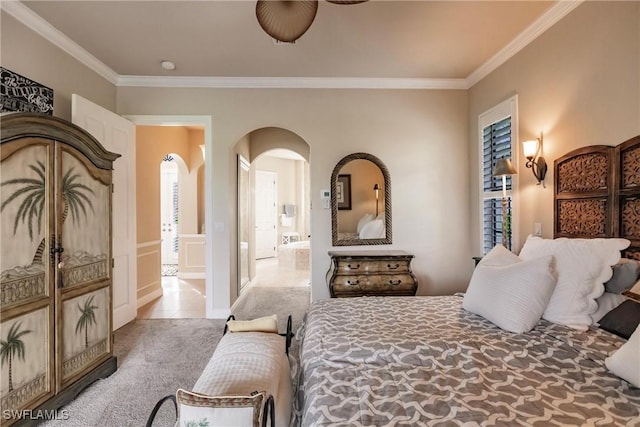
(156, 408)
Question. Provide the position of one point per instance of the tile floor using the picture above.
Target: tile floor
(181, 299)
(184, 299)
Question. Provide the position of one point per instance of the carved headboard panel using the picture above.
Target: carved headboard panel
(597, 193)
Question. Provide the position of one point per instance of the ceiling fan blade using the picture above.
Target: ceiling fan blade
(286, 20)
(346, 1)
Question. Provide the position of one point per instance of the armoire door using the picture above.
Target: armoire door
(83, 273)
(26, 287)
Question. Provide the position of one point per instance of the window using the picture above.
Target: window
(496, 142)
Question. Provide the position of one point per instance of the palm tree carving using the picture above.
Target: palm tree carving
(33, 190)
(87, 319)
(12, 347)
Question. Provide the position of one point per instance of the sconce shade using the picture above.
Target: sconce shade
(504, 167)
(286, 20)
(538, 166)
(202, 148)
(530, 148)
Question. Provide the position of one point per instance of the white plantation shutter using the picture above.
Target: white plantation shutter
(496, 144)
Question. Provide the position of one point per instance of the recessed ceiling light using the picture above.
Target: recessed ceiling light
(168, 65)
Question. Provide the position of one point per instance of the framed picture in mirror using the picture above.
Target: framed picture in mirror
(343, 192)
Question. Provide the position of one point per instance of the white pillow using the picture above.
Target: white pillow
(373, 230)
(625, 362)
(509, 292)
(582, 266)
(364, 220)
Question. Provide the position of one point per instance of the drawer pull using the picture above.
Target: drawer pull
(357, 266)
(354, 283)
(396, 282)
(393, 267)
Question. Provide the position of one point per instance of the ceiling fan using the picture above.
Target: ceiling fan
(287, 20)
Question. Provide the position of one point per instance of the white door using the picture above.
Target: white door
(117, 134)
(266, 214)
(169, 212)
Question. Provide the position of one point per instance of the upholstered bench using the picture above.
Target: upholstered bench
(247, 381)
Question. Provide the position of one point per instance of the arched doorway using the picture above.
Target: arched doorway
(273, 206)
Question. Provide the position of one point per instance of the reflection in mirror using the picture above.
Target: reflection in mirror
(243, 222)
(360, 201)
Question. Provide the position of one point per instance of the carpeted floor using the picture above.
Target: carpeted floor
(156, 357)
(259, 301)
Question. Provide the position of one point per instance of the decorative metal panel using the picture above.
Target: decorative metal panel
(586, 217)
(584, 173)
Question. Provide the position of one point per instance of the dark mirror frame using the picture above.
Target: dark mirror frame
(334, 204)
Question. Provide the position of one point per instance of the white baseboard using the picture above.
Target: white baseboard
(220, 313)
(197, 275)
(149, 297)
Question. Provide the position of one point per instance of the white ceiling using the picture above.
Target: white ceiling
(411, 40)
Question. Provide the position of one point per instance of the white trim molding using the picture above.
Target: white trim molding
(50, 33)
(36, 23)
(291, 82)
(542, 24)
(146, 299)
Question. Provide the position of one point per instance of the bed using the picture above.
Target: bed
(375, 361)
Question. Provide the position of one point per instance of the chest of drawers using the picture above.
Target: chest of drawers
(362, 273)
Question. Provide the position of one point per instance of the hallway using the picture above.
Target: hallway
(185, 299)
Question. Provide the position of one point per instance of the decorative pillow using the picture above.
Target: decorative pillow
(374, 229)
(622, 320)
(625, 274)
(261, 324)
(509, 292)
(582, 266)
(625, 362)
(363, 221)
(606, 302)
(202, 410)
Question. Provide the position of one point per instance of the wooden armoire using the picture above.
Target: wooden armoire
(56, 332)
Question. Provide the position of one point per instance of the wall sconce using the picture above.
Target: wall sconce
(538, 165)
(504, 168)
(202, 148)
(376, 189)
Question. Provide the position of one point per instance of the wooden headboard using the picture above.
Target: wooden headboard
(597, 193)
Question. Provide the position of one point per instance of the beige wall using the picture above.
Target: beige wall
(579, 83)
(416, 133)
(28, 54)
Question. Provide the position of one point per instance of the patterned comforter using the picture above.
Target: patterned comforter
(409, 361)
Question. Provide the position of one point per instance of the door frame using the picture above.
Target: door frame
(205, 121)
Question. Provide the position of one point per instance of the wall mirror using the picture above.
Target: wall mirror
(360, 201)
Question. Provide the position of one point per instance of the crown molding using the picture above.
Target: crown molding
(291, 82)
(542, 24)
(33, 21)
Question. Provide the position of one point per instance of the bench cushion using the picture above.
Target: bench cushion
(243, 362)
